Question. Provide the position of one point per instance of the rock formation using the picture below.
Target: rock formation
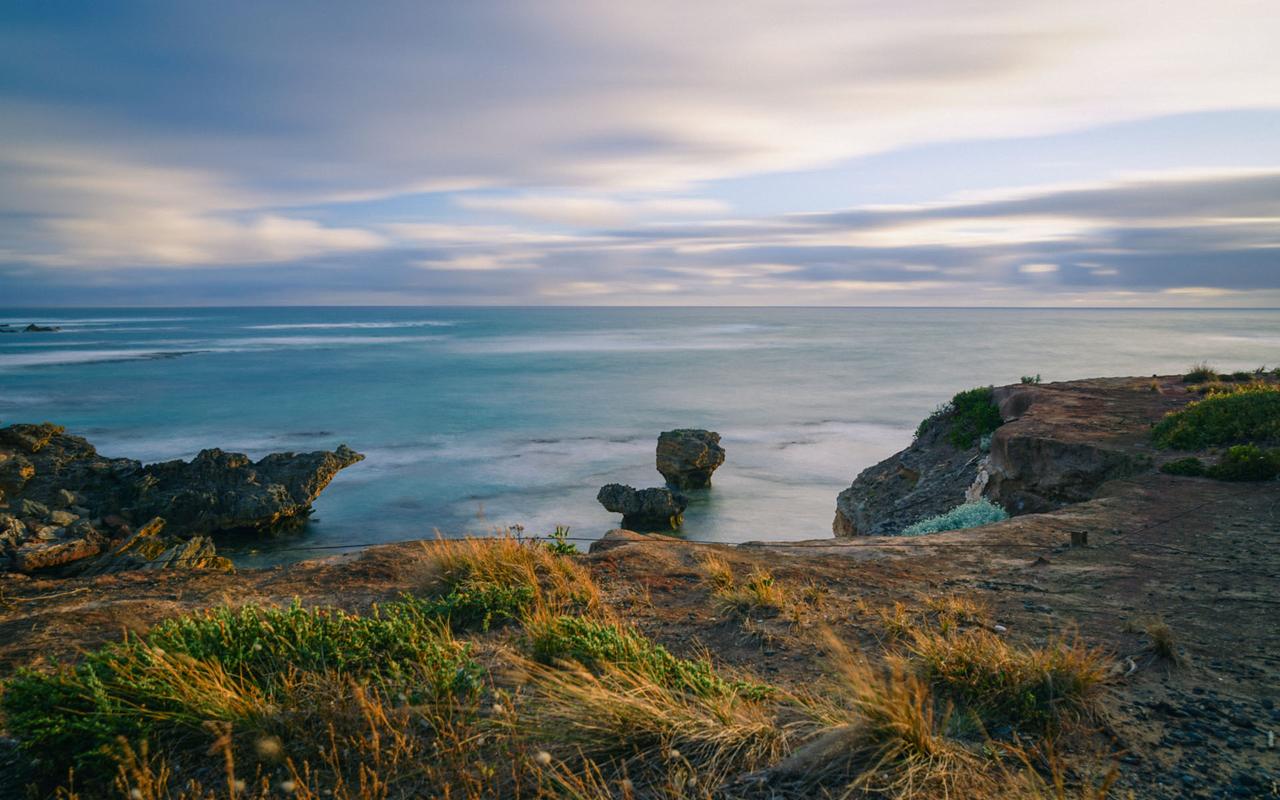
(63, 503)
(34, 328)
(688, 456)
(644, 510)
(1059, 444)
(928, 478)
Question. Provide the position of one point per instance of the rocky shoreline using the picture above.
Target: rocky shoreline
(65, 507)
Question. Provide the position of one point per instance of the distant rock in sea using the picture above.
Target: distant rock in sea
(688, 456)
(34, 328)
(644, 509)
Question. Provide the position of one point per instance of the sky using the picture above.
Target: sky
(909, 153)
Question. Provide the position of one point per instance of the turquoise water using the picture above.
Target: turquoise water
(474, 419)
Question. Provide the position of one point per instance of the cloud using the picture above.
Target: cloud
(592, 211)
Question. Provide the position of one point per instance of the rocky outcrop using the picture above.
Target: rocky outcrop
(688, 456)
(1059, 444)
(34, 328)
(928, 478)
(64, 505)
(644, 510)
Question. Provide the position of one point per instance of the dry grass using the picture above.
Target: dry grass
(760, 595)
(554, 583)
(881, 733)
(1030, 689)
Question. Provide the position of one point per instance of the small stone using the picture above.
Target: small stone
(63, 518)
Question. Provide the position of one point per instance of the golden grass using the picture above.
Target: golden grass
(559, 584)
(622, 718)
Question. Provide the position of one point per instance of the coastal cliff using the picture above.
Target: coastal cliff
(1055, 444)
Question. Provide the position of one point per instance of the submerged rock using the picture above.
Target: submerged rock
(34, 328)
(67, 503)
(688, 456)
(644, 509)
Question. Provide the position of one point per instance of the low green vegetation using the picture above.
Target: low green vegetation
(1243, 462)
(225, 665)
(1028, 380)
(966, 515)
(594, 644)
(968, 416)
(1247, 462)
(1245, 414)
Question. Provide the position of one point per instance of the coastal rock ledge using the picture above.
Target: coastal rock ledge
(1057, 444)
(62, 504)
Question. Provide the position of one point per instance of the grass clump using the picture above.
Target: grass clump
(969, 415)
(1029, 689)
(225, 665)
(761, 594)
(966, 515)
(1191, 467)
(483, 582)
(1199, 373)
(1247, 462)
(1249, 413)
(595, 644)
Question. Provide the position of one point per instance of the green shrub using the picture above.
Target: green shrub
(228, 665)
(1247, 462)
(594, 644)
(559, 544)
(473, 604)
(1030, 379)
(1199, 373)
(1191, 467)
(1242, 375)
(970, 415)
(1244, 414)
(967, 515)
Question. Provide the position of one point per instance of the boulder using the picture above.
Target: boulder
(688, 456)
(41, 554)
(644, 509)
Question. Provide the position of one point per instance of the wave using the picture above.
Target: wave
(87, 357)
(320, 341)
(421, 323)
(598, 343)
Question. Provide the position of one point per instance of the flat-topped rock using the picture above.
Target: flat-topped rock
(687, 457)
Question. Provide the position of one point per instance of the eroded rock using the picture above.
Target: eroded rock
(687, 457)
(644, 509)
(67, 503)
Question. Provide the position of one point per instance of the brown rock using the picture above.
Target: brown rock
(687, 457)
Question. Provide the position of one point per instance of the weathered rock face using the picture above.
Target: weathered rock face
(644, 509)
(688, 456)
(1059, 444)
(928, 478)
(61, 503)
(219, 491)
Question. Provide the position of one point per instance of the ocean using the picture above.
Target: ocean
(475, 419)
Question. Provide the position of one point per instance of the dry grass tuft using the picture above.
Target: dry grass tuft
(504, 566)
